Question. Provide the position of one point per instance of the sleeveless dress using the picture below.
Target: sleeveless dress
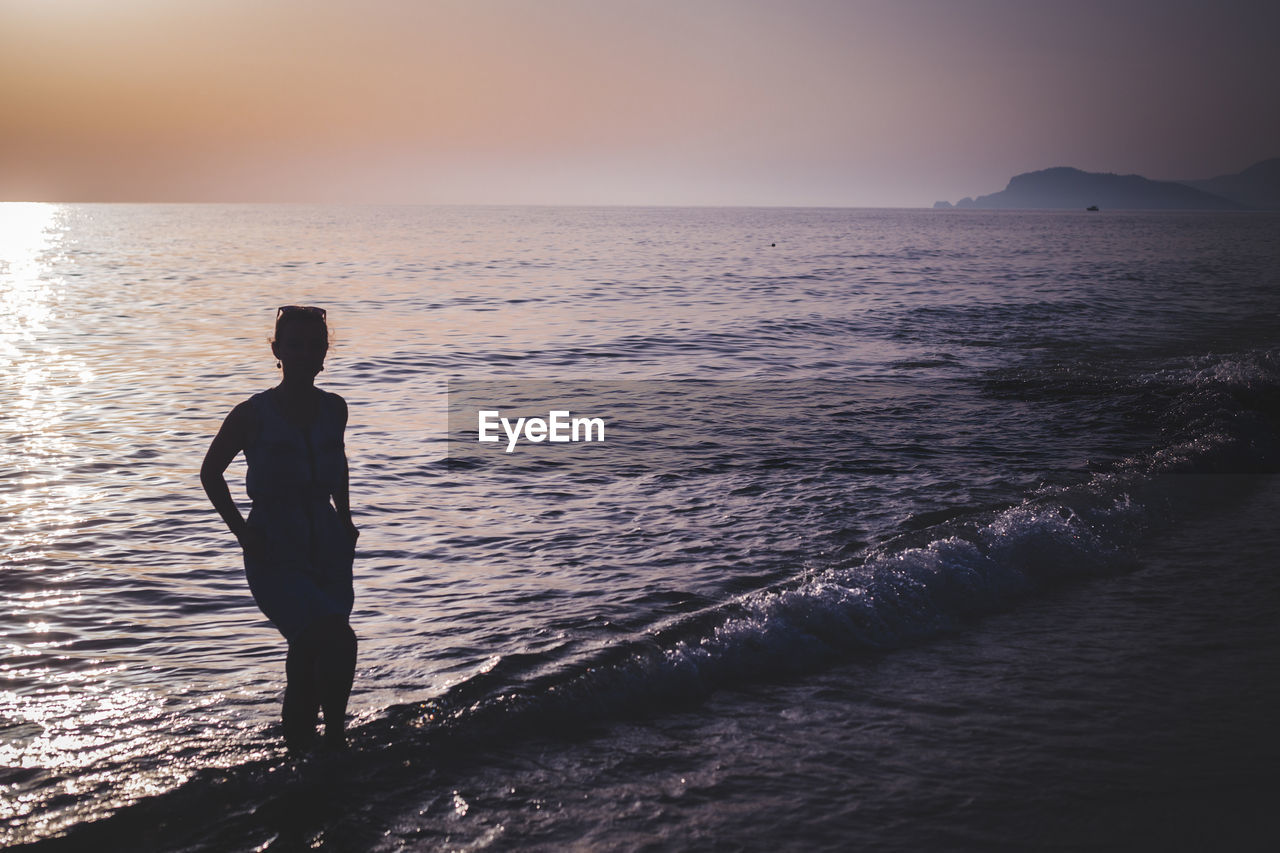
(292, 473)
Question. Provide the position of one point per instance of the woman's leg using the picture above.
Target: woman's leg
(301, 694)
(335, 667)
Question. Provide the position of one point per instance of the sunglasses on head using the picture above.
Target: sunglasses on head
(285, 310)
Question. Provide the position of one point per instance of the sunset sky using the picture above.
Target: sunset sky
(794, 102)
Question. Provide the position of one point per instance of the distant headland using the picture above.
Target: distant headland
(1256, 188)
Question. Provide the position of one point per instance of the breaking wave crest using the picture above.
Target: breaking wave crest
(1217, 416)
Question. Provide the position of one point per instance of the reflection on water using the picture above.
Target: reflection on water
(27, 235)
(39, 381)
(81, 721)
(48, 715)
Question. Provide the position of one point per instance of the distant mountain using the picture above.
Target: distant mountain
(1257, 187)
(1065, 188)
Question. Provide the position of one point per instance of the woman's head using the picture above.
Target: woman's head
(301, 339)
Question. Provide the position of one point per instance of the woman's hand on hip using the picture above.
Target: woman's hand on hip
(254, 543)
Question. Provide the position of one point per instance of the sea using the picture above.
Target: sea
(901, 530)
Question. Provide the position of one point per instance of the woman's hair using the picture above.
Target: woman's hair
(298, 314)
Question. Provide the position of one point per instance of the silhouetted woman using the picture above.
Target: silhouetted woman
(299, 540)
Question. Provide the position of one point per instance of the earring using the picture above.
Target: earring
(277, 364)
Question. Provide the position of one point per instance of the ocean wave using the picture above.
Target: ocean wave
(1220, 417)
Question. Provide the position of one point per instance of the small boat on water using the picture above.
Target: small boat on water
(1092, 207)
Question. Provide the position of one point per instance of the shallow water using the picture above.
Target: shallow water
(912, 450)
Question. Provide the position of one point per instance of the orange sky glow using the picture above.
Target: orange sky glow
(864, 103)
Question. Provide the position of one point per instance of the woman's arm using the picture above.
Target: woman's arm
(230, 440)
(342, 493)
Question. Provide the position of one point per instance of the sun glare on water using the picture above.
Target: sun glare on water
(32, 365)
(25, 238)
